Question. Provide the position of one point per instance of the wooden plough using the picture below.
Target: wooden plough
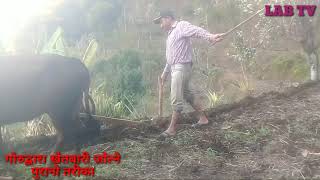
(115, 121)
(6, 178)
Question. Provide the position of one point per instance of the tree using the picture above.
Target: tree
(300, 29)
(102, 16)
(310, 43)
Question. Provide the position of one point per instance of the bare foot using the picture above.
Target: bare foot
(170, 132)
(203, 120)
(165, 135)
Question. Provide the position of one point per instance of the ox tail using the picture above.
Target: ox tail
(88, 102)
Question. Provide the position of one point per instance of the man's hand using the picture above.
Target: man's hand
(214, 38)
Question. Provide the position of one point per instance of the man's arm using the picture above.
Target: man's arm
(189, 30)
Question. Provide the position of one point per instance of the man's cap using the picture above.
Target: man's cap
(165, 13)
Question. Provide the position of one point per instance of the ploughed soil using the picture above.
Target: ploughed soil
(272, 136)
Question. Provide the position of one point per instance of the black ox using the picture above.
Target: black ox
(32, 85)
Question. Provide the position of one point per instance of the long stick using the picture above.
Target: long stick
(160, 96)
(104, 117)
(243, 22)
(111, 118)
(6, 178)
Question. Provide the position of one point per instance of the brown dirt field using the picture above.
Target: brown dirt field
(264, 137)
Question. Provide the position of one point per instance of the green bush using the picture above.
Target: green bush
(121, 77)
(289, 66)
(108, 105)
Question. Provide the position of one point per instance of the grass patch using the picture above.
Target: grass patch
(112, 171)
(211, 153)
(249, 136)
